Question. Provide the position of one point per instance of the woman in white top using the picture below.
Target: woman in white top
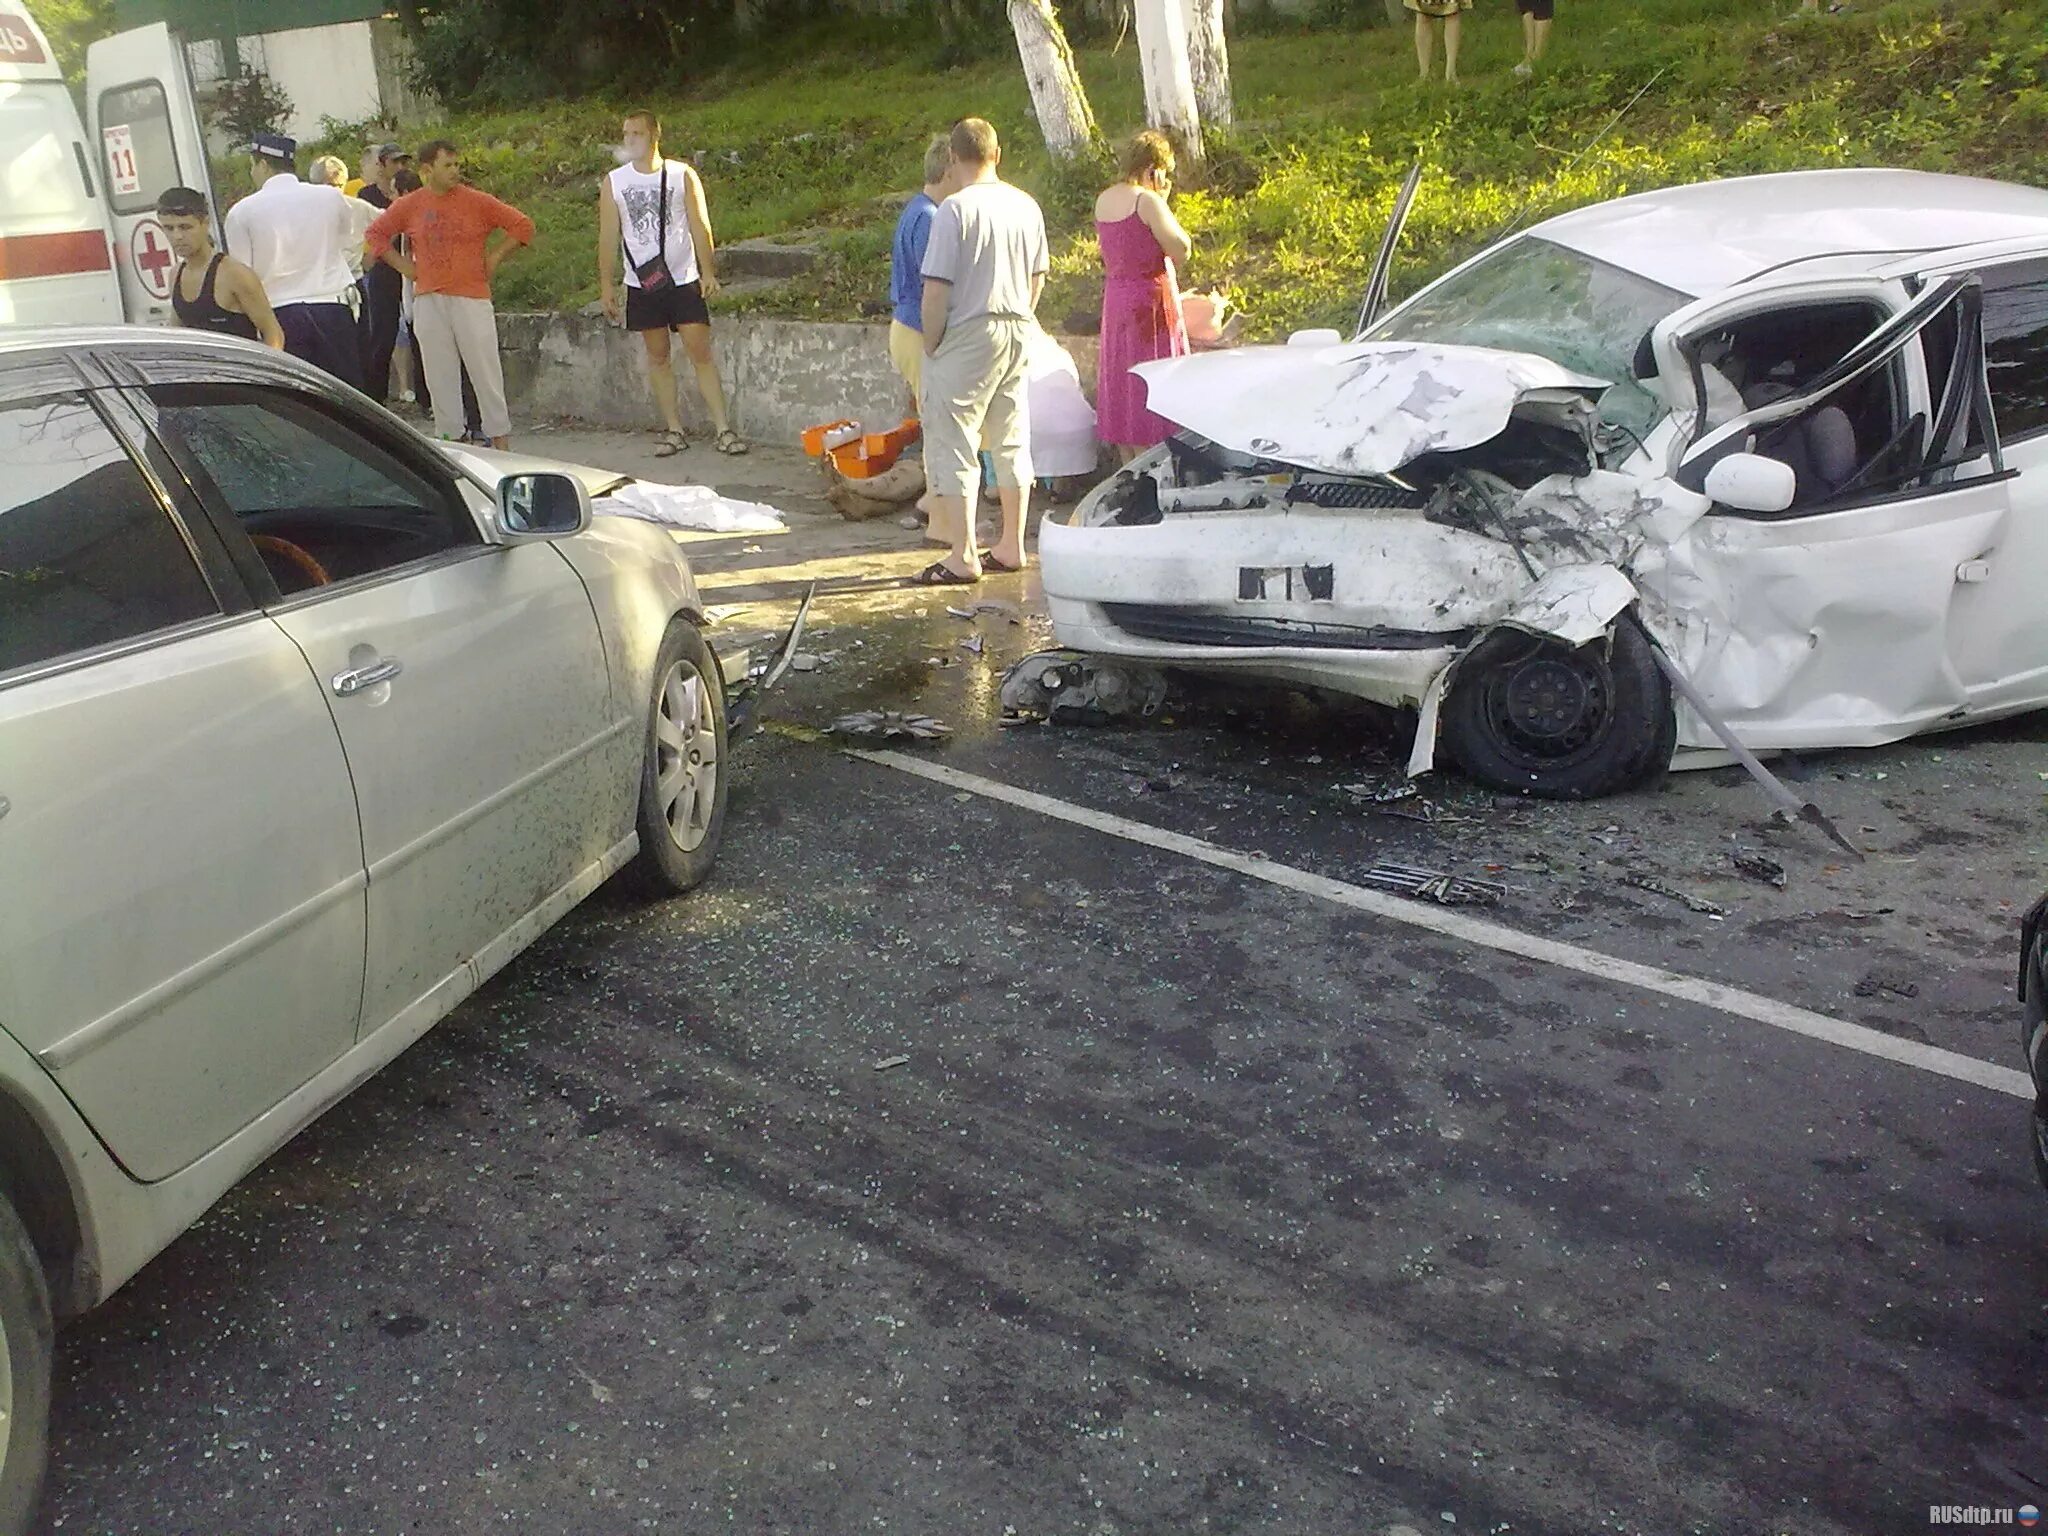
(653, 210)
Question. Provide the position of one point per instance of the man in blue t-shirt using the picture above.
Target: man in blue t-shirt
(906, 265)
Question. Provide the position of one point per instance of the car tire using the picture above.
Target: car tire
(26, 1336)
(1534, 716)
(681, 815)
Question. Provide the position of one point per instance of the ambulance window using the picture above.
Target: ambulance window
(38, 176)
(138, 157)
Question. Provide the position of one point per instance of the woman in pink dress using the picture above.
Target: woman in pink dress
(1141, 320)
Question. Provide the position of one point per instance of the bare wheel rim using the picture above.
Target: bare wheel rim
(685, 756)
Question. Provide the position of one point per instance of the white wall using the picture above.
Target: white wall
(327, 72)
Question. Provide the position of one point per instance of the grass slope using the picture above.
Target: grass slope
(818, 134)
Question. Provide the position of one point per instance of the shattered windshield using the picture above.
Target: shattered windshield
(1533, 296)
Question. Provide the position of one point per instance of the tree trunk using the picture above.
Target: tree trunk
(1169, 85)
(1208, 60)
(1056, 94)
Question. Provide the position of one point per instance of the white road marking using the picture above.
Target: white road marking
(1451, 924)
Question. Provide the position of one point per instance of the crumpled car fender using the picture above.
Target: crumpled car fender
(1571, 603)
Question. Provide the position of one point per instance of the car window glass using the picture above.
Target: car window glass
(88, 556)
(39, 178)
(2016, 345)
(1533, 296)
(321, 501)
(145, 160)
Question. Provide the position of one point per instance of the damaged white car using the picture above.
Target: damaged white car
(1666, 480)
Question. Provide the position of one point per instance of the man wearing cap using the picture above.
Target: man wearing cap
(295, 236)
(383, 288)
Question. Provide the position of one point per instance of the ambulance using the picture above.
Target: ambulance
(79, 240)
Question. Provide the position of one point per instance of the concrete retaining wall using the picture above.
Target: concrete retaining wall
(780, 375)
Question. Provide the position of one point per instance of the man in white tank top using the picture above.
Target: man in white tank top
(652, 209)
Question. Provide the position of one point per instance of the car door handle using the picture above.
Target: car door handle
(356, 679)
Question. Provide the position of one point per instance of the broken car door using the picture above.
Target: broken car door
(1999, 629)
(1831, 621)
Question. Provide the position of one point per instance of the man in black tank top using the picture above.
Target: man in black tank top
(212, 291)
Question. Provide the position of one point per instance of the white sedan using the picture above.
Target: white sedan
(307, 726)
(1671, 478)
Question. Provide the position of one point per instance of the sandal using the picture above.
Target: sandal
(730, 441)
(990, 563)
(670, 444)
(940, 574)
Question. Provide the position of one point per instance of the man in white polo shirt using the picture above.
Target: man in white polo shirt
(296, 236)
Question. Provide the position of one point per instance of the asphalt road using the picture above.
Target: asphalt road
(1199, 1204)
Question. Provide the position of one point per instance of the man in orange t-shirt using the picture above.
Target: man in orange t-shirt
(451, 256)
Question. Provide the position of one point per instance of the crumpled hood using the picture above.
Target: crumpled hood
(490, 465)
(1355, 408)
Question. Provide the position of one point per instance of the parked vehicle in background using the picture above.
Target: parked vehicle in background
(307, 726)
(79, 240)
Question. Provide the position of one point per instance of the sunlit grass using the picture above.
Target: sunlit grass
(816, 136)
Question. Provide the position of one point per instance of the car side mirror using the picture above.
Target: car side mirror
(1749, 482)
(541, 506)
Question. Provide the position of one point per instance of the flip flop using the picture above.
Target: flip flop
(940, 574)
(990, 563)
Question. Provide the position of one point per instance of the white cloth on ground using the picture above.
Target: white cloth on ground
(695, 507)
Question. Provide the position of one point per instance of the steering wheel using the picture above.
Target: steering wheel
(268, 544)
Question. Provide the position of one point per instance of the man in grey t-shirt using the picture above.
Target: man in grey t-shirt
(983, 272)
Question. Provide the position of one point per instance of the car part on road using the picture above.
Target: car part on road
(1691, 903)
(1068, 688)
(1757, 867)
(743, 700)
(1789, 804)
(683, 783)
(1446, 890)
(889, 725)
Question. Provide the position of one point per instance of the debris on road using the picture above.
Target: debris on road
(1067, 688)
(807, 661)
(890, 1063)
(1757, 867)
(1692, 903)
(1880, 982)
(889, 725)
(959, 613)
(972, 643)
(1446, 890)
(1385, 793)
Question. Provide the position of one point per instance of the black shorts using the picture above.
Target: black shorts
(1540, 9)
(682, 304)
